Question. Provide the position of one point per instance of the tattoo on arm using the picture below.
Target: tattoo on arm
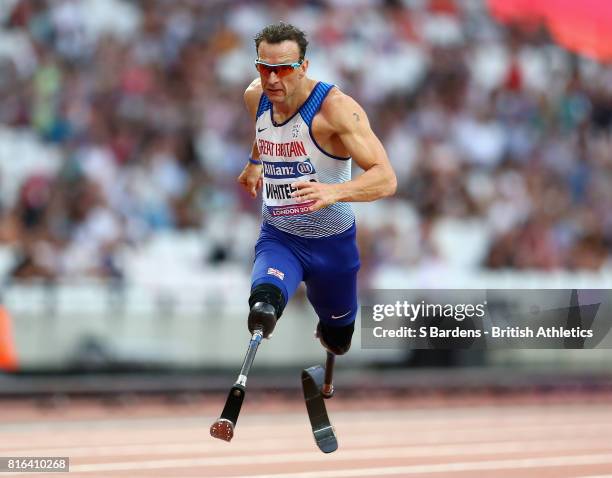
(356, 116)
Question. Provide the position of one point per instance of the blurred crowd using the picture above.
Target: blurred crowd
(502, 141)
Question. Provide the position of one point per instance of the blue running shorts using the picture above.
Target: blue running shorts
(327, 265)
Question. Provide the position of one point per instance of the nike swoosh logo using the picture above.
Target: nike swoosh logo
(259, 130)
(340, 316)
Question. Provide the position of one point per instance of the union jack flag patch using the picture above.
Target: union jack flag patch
(275, 272)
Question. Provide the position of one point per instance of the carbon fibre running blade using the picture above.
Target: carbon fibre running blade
(322, 429)
(223, 428)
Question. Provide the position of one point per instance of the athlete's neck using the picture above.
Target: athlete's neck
(286, 109)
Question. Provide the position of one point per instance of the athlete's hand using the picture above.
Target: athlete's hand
(250, 178)
(322, 194)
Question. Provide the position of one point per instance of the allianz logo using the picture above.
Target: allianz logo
(288, 170)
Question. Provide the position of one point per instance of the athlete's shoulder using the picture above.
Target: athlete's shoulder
(252, 96)
(339, 109)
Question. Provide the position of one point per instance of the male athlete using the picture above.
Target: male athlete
(306, 133)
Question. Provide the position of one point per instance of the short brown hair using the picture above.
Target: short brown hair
(281, 31)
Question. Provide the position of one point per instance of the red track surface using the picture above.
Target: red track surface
(432, 437)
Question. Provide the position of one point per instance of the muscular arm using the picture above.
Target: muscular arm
(353, 128)
(346, 119)
(250, 177)
(251, 100)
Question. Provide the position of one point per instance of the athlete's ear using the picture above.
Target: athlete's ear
(303, 69)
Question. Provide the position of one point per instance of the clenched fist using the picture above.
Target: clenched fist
(322, 194)
(251, 179)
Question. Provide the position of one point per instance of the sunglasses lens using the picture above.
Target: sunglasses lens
(263, 69)
(280, 71)
(284, 70)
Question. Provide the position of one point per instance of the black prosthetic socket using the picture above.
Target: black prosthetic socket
(336, 339)
(270, 294)
(262, 316)
(267, 304)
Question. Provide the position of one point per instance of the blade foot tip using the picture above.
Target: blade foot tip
(222, 429)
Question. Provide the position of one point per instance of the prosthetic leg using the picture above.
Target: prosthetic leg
(262, 320)
(317, 385)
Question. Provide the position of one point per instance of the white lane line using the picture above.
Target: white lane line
(358, 421)
(242, 444)
(579, 410)
(245, 436)
(432, 416)
(448, 467)
(314, 456)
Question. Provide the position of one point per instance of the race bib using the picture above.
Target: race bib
(278, 186)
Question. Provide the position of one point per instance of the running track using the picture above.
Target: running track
(397, 438)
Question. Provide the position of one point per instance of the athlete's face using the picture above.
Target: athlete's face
(280, 83)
